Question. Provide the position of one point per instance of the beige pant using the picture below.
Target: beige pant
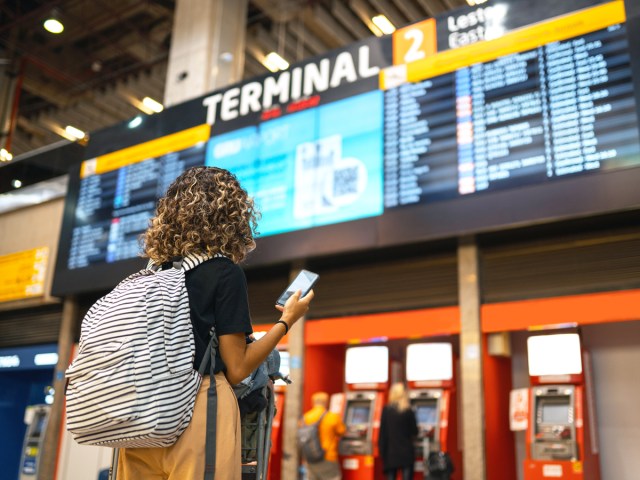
(185, 459)
(324, 470)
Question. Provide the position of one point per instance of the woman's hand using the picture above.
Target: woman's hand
(241, 358)
(295, 307)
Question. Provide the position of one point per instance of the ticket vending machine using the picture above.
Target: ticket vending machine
(367, 384)
(36, 418)
(561, 440)
(431, 381)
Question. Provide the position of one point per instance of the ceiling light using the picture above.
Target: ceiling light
(5, 156)
(135, 122)
(275, 62)
(53, 23)
(383, 24)
(75, 132)
(152, 105)
(15, 183)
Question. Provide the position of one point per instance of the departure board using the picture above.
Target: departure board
(560, 110)
(505, 114)
(115, 204)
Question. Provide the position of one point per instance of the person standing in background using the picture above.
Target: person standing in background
(331, 428)
(398, 430)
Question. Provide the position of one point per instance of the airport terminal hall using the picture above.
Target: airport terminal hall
(319, 239)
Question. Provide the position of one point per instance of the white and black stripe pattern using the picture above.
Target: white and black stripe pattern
(133, 383)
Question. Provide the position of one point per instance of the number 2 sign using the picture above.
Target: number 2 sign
(414, 42)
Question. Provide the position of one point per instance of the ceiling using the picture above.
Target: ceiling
(114, 50)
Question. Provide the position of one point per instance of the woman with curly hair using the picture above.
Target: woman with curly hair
(207, 215)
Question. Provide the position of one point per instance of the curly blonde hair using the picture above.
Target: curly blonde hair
(205, 211)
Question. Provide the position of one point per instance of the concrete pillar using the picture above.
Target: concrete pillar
(47, 467)
(471, 381)
(207, 48)
(293, 397)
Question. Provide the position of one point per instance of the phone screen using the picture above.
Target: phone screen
(304, 281)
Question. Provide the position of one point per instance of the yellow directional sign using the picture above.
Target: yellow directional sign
(23, 274)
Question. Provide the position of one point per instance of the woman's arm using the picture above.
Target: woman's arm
(241, 358)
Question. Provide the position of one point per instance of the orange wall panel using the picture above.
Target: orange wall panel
(364, 328)
(574, 309)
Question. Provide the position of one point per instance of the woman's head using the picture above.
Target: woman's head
(398, 396)
(205, 211)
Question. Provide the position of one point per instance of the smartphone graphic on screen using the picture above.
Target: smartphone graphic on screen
(304, 281)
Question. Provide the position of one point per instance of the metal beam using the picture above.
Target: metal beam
(432, 7)
(266, 41)
(253, 67)
(390, 11)
(51, 94)
(349, 20)
(413, 13)
(315, 45)
(254, 48)
(322, 24)
(294, 50)
(32, 128)
(100, 115)
(451, 4)
(364, 13)
(279, 10)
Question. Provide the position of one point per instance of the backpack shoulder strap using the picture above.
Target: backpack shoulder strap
(212, 407)
(317, 422)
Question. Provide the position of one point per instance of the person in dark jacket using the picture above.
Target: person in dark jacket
(398, 429)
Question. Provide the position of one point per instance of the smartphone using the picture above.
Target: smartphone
(304, 281)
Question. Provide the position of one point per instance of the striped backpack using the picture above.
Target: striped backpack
(133, 383)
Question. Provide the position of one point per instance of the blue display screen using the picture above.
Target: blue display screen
(358, 415)
(426, 414)
(311, 168)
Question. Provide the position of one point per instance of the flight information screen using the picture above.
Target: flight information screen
(560, 110)
(311, 168)
(118, 193)
(504, 114)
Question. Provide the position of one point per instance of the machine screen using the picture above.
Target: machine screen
(358, 415)
(555, 413)
(426, 414)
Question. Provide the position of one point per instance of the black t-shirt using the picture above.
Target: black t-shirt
(218, 297)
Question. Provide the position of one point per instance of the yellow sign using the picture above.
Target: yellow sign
(23, 274)
(520, 40)
(144, 151)
(414, 42)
